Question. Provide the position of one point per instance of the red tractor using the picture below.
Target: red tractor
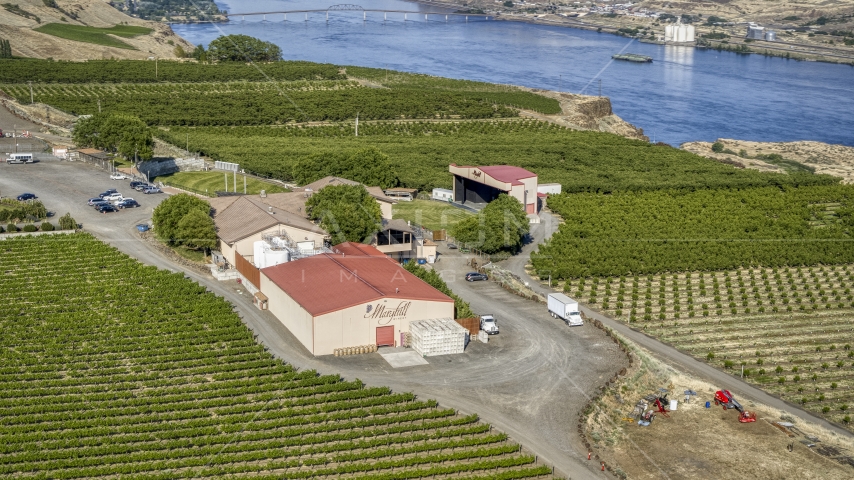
(724, 398)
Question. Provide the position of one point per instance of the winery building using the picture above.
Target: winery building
(477, 186)
(351, 297)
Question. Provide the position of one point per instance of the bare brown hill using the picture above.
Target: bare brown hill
(26, 42)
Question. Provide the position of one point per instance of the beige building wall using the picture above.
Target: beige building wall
(295, 318)
(385, 207)
(355, 326)
(227, 252)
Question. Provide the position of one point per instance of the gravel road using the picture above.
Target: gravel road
(530, 381)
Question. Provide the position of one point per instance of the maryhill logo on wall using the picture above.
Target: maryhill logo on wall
(385, 314)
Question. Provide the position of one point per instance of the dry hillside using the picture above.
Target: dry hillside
(95, 13)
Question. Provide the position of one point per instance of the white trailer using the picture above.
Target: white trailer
(565, 308)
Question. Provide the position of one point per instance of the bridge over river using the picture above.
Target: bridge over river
(358, 8)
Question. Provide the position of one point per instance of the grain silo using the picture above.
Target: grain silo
(770, 35)
(689, 33)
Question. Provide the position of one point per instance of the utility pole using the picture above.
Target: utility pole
(226, 180)
(357, 124)
(155, 68)
(234, 182)
(99, 105)
(600, 87)
(244, 184)
(30, 83)
(560, 85)
(188, 144)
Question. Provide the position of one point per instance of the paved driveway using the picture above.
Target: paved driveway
(530, 381)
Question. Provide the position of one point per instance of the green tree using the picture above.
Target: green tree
(196, 230)
(179, 51)
(501, 225)
(717, 147)
(66, 222)
(199, 53)
(125, 134)
(463, 309)
(369, 166)
(242, 48)
(348, 212)
(168, 215)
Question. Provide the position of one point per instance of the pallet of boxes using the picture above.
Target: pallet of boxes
(440, 336)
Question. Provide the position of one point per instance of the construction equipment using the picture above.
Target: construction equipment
(725, 399)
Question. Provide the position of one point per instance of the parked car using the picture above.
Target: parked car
(113, 197)
(452, 246)
(151, 190)
(117, 176)
(142, 228)
(93, 200)
(108, 192)
(107, 208)
(99, 203)
(127, 203)
(475, 277)
(142, 186)
(26, 196)
(116, 202)
(134, 184)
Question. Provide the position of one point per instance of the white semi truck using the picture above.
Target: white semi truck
(565, 308)
(488, 324)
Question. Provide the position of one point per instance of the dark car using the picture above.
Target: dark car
(99, 203)
(151, 190)
(108, 192)
(107, 208)
(142, 186)
(474, 277)
(129, 203)
(134, 183)
(26, 196)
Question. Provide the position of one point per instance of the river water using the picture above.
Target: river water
(685, 94)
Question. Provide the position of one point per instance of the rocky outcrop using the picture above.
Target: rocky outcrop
(583, 112)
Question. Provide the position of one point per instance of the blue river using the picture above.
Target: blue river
(685, 94)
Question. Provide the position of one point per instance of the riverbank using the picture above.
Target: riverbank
(619, 24)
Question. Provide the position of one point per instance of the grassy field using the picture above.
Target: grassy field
(98, 36)
(789, 327)
(206, 183)
(430, 214)
(110, 368)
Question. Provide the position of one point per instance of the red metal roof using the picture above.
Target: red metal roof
(329, 282)
(507, 173)
(360, 249)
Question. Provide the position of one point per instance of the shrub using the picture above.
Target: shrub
(710, 356)
(825, 409)
(67, 223)
(11, 228)
(728, 364)
(30, 228)
(1, 229)
(47, 227)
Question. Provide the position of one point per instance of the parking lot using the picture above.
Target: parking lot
(67, 186)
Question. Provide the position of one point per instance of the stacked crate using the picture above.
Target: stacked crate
(438, 336)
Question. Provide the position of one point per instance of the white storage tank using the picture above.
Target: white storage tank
(689, 33)
(682, 33)
(770, 35)
(668, 33)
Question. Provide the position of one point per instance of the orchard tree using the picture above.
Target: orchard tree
(242, 48)
(348, 212)
(369, 166)
(500, 226)
(168, 215)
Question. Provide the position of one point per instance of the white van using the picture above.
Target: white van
(20, 158)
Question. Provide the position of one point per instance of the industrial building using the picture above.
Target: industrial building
(351, 296)
(679, 33)
(477, 186)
